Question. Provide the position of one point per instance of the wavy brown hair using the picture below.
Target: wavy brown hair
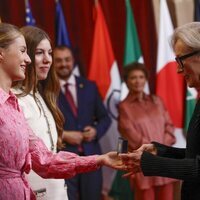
(48, 88)
(132, 67)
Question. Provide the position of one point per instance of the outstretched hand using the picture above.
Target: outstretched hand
(132, 160)
(111, 159)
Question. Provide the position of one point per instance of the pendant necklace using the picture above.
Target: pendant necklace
(47, 122)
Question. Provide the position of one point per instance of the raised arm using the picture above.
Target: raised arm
(184, 169)
(65, 164)
(168, 151)
(159, 160)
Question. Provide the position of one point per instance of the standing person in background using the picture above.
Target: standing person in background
(86, 121)
(20, 149)
(157, 159)
(37, 96)
(143, 118)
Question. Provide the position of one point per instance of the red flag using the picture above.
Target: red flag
(104, 71)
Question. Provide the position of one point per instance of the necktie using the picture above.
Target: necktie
(71, 102)
(70, 99)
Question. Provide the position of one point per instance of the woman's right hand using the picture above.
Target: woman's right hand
(111, 159)
(133, 159)
(149, 148)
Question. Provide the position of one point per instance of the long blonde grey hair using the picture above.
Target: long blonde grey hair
(189, 34)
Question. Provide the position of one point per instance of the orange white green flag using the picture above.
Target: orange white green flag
(104, 71)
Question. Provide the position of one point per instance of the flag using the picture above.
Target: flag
(104, 71)
(62, 36)
(132, 46)
(30, 21)
(191, 97)
(169, 85)
(121, 187)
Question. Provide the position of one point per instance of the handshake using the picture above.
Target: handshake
(125, 160)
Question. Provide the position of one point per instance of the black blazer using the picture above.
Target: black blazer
(179, 163)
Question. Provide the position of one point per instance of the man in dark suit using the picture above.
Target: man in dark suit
(86, 121)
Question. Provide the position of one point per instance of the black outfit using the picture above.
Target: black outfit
(179, 163)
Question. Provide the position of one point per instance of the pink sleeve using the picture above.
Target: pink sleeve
(60, 165)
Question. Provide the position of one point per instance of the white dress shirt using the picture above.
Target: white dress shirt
(72, 87)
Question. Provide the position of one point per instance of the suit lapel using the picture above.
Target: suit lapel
(80, 94)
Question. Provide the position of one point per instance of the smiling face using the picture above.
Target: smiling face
(63, 63)
(43, 59)
(136, 81)
(191, 69)
(14, 59)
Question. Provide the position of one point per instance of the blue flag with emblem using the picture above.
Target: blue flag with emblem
(30, 21)
(62, 37)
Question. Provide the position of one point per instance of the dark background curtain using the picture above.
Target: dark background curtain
(79, 17)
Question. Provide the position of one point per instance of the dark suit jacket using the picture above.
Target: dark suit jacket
(91, 111)
(179, 163)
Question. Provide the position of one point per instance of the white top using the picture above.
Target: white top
(55, 188)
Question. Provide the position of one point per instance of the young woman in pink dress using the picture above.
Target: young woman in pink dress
(20, 149)
(37, 95)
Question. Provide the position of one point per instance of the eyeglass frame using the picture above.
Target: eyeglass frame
(179, 59)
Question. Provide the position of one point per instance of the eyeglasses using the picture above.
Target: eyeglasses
(180, 59)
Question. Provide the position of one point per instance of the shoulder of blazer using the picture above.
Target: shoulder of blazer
(81, 82)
